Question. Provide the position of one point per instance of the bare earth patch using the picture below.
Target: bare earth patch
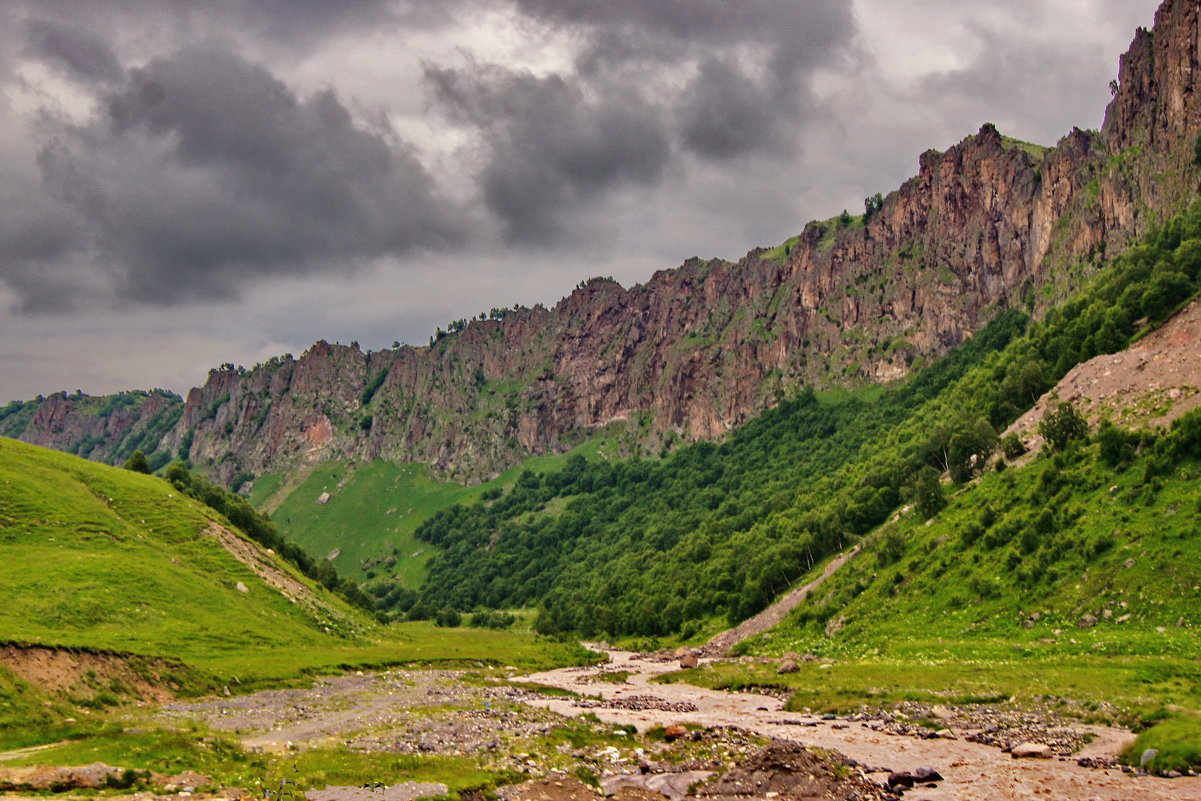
(1150, 383)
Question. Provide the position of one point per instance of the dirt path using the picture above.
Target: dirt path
(721, 644)
(21, 753)
(973, 772)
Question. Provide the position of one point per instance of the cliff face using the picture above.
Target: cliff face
(697, 350)
(106, 429)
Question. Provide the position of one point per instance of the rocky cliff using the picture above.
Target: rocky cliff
(697, 350)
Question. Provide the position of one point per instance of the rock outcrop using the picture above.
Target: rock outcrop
(694, 352)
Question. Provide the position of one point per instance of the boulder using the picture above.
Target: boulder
(1031, 751)
(689, 661)
(674, 733)
(1088, 621)
(787, 666)
(925, 774)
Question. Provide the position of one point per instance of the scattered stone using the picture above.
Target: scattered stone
(635, 702)
(788, 770)
(407, 791)
(564, 789)
(40, 778)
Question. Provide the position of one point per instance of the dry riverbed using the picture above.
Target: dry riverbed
(972, 770)
(691, 743)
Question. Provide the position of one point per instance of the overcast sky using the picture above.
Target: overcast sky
(184, 184)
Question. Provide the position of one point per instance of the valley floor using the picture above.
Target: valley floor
(442, 731)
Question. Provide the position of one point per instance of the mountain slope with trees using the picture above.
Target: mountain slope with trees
(653, 548)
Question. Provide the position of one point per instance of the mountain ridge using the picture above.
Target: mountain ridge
(694, 352)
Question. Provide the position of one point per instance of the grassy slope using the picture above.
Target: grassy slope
(943, 611)
(98, 557)
(101, 557)
(373, 515)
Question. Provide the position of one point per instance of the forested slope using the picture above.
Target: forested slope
(653, 547)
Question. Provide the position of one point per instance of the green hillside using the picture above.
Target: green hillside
(120, 565)
(1074, 580)
(715, 532)
(373, 510)
(105, 558)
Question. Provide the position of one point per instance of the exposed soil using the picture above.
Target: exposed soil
(254, 558)
(85, 673)
(1149, 384)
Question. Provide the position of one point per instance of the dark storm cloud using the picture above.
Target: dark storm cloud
(725, 112)
(290, 23)
(39, 246)
(82, 53)
(550, 146)
(653, 82)
(205, 171)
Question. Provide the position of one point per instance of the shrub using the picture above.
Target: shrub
(1062, 426)
(448, 618)
(137, 463)
(1012, 446)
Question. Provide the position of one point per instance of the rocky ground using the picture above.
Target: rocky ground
(460, 713)
(634, 740)
(985, 753)
(423, 711)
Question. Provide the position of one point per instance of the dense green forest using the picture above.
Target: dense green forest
(652, 547)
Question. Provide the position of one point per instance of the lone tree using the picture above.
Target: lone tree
(137, 463)
(1062, 426)
(924, 491)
